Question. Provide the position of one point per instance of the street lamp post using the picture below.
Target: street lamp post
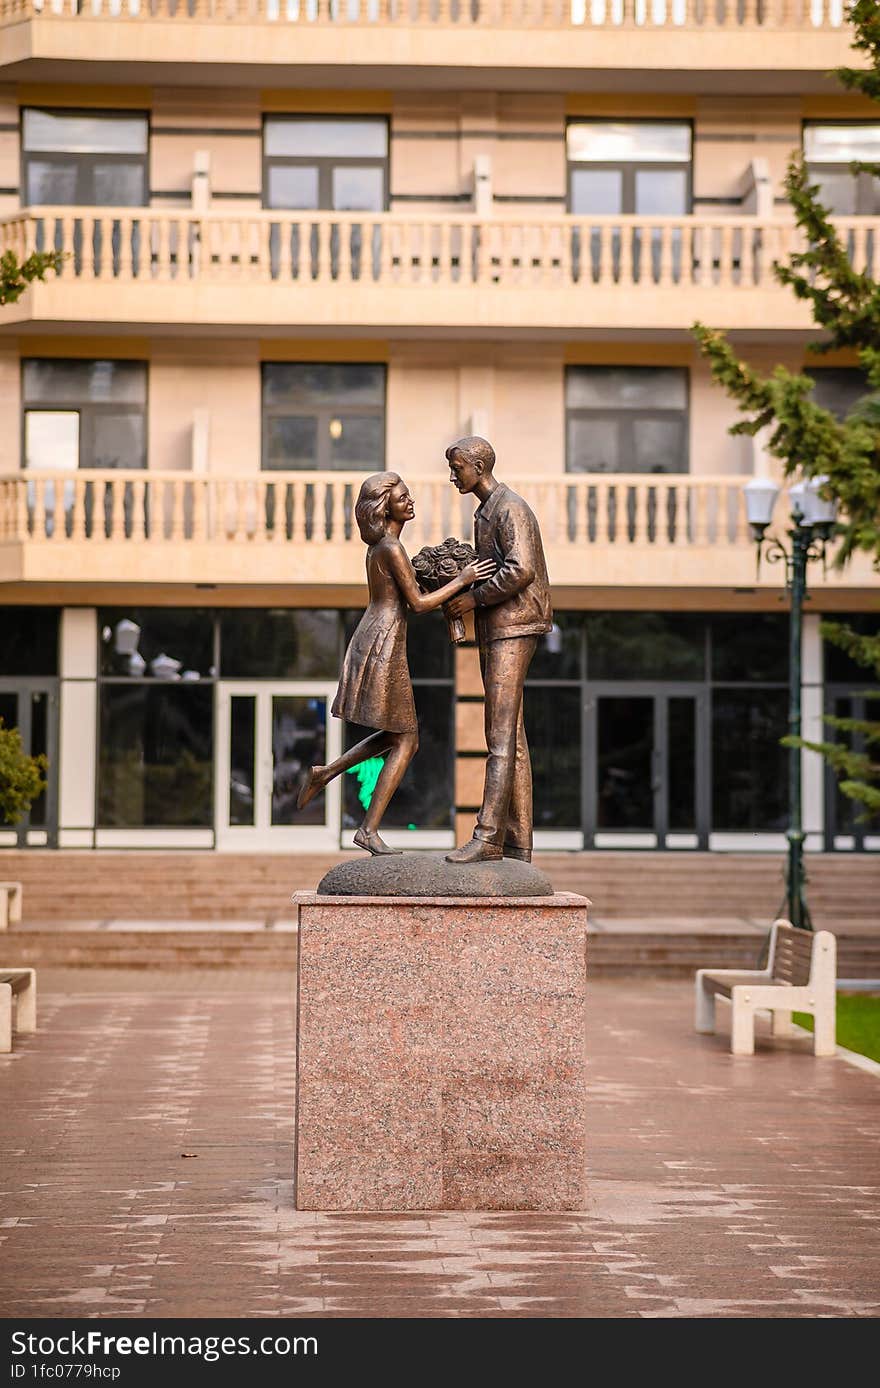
(812, 523)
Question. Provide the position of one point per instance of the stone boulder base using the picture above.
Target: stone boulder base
(440, 1053)
(429, 874)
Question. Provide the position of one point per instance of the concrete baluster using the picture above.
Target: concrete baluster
(665, 271)
(298, 490)
(39, 523)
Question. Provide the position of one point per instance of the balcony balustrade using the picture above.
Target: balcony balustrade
(516, 14)
(282, 528)
(392, 270)
(372, 40)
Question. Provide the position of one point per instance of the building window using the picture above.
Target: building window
(626, 419)
(84, 414)
(156, 718)
(830, 149)
(639, 167)
(323, 416)
(333, 162)
(84, 158)
(838, 388)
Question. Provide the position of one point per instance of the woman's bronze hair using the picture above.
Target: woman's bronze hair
(371, 510)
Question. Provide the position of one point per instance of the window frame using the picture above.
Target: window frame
(322, 414)
(628, 168)
(84, 163)
(325, 164)
(865, 193)
(88, 412)
(621, 416)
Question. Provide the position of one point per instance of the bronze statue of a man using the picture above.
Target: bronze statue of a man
(512, 609)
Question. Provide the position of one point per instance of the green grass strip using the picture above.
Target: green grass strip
(858, 1023)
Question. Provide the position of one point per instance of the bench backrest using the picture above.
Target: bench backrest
(800, 957)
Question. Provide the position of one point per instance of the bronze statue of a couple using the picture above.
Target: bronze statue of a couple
(507, 589)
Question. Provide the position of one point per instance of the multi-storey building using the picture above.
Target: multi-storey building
(308, 241)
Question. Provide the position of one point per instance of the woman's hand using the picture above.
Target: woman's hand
(478, 571)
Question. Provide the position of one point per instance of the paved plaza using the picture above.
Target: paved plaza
(147, 1160)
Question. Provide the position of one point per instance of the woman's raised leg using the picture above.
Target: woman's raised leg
(376, 745)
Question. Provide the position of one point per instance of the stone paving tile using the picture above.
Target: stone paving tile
(720, 1186)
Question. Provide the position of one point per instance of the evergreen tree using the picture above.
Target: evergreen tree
(845, 302)
(21, 776)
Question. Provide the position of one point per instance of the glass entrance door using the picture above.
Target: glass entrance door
(646, 776)
(32, 707)
(267, 738)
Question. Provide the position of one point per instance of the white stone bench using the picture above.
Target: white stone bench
(22, 985)
(10, 904)
(800, 977)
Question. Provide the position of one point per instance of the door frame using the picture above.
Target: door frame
(863, 838)
(660, 692)
(262, 836)
(24, 834)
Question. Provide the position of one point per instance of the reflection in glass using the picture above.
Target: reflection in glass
(641, 142)
(558, 655)
(9, 709)
(682, 763)
(645, 645)
(293, 186)
(155, 755)
(596, 192)
(314, 138)
(553, 730)
(277, 643)
(749, 781)
(39, 746)
(625, 754)
(424, 799)
(358, 189)
(626, 387)
(242, 758)
(749, 646)
(75, 132)
(299, 741)
(182, 635)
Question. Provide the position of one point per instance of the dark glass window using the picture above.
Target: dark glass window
(749, 646)
(155, 756)
(163, 643)
(559, 654)
(424, 799)
(89, 414)
(840, 668)
(645, 645)
(625, 166)
(84, 158)
(749, 767)
(626, 419)
(553, 728)
(830, 148)
(333, 162)
(277, 643)
(838, 388)
(324, 416)
(28, 641)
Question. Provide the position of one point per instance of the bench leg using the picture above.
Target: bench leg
(704, 1015)
(825, 1030)
(26, 1008)
(5, 1018)
(4, 909)
(742, 1027)
(782, 1023)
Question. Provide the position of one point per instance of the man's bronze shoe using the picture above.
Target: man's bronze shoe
(522, 855)
(476, 851)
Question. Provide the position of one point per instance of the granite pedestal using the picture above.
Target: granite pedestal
(440, 1053)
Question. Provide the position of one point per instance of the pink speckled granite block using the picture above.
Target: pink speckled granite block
(440, 1053)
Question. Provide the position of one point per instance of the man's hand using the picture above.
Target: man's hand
(458, 606)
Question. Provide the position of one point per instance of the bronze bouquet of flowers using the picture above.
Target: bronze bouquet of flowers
(437, 564)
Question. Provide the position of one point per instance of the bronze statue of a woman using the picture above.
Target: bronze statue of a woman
(375, 688)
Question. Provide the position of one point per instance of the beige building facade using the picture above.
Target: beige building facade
(304, 243)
